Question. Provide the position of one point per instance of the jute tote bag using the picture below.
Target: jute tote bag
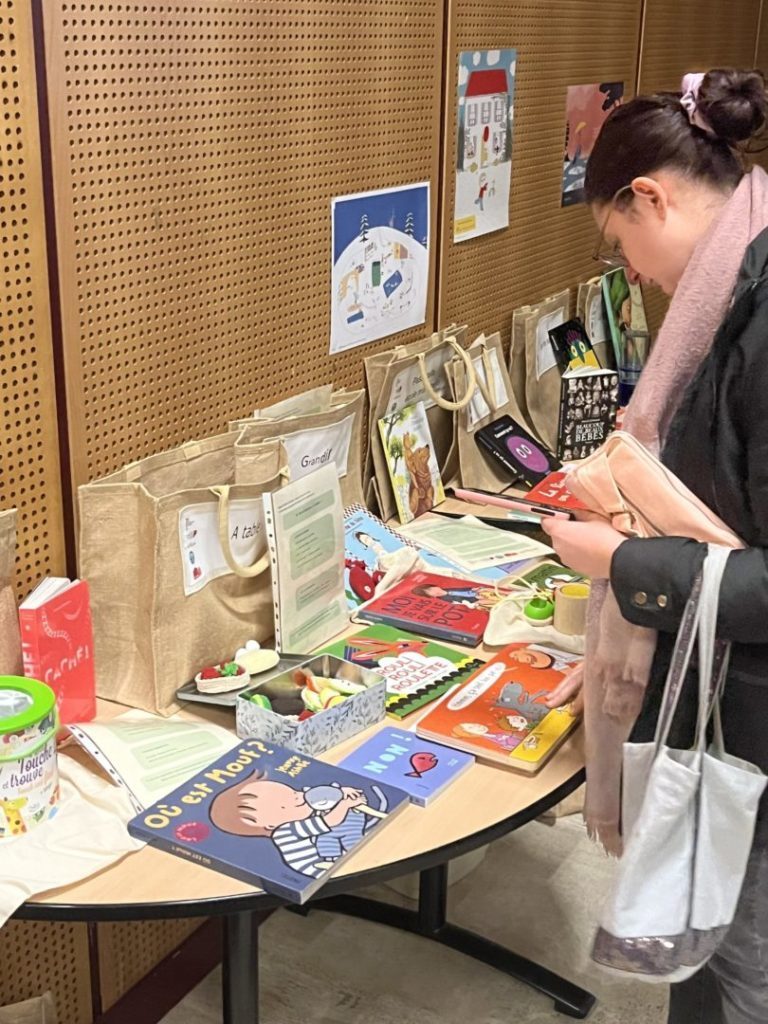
(173, 549)
(401, 377)
(492, 397)
(333, 432)
(542, 373)
(10, 643)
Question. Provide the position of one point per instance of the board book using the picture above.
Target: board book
(270, 817)
(443, 607)
(411, 461)
(518, 451)
(499, 714)
(420, 768)
(416, 670)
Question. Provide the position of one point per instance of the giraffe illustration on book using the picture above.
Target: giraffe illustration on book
(12, 811)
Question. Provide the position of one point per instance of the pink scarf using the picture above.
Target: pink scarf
(618, 657)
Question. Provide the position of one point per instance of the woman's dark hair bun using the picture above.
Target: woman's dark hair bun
(734, 103)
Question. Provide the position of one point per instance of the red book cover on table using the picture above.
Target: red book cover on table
(57, 648)
(442, 607)
(553, 491)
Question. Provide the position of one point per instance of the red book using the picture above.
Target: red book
(57, 645)
(443, 607)
(553, 492)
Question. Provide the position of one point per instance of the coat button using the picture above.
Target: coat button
(661, 600)
(640, 598)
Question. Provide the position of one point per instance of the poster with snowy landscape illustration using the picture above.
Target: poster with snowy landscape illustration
(486, 94)
(380, 270)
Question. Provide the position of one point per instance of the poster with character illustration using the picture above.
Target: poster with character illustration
(486, 93)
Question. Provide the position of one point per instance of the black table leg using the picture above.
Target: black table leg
(430, 922)
(240, 968)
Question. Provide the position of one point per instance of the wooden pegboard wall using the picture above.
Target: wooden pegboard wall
(197, 146)
(51, 957)
(695, 35)
(545, 248)
(29, 460)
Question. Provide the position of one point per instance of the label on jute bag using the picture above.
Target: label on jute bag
(201, 556)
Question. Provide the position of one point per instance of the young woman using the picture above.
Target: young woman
(673, 203)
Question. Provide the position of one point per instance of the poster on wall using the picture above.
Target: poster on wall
(486, 94)
(586, 108)
(380, 269)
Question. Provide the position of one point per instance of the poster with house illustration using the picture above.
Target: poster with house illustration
(484, 150)
(380, 268)
(586, 108)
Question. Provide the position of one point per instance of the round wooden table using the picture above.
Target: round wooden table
(482, 805)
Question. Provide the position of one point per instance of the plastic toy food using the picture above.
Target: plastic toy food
(221, 678)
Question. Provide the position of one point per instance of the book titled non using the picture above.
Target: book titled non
(499, 714)
(420, 768)
(589, 401)
(513, 447)
(57, 645)
(443, 607)
(416, 670)
(271, 817)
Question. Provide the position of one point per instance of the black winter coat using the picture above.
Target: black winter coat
(718, 445)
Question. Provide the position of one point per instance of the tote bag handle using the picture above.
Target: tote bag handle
(246, 571)
(444, 403)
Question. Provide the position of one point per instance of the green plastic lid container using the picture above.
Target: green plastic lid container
(23, 703)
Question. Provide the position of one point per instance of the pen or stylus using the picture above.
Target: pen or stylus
(506, 501)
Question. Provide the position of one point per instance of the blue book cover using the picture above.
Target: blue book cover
(271, 817)
(419, 767)
(368, 541)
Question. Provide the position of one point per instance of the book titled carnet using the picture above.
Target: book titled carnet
(443, 607)
(270, 817)
(57, 645)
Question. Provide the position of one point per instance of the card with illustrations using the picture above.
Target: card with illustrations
(411, 461)
(586, 108)
(486, 93)
(380, 264)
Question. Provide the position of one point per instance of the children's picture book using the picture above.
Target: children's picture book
(589, 401)
(370, 551)
(499, 714)
(305, 538)
(485, 112)
(586, 108)
(573, 349)
(270, 817)
(420, 768)
(444, 607)
(550, 575)
(629, 329)
(517, 450)
(411, 461)
(57, 644)
(416, 670)
(553, 490)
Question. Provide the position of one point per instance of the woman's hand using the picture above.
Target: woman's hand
(570, 690)
(586, 547)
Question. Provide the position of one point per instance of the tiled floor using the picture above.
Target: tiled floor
(536, 892)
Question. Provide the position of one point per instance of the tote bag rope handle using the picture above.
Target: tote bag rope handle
(444, 403)
(246, 571)
(488, 386)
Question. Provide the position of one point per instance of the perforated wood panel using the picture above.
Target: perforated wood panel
(545, 248)
(129, 951)
(29, 461)
(38, 957)
(197, 147)
(695, 35)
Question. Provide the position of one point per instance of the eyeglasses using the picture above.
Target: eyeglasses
(612, 257)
